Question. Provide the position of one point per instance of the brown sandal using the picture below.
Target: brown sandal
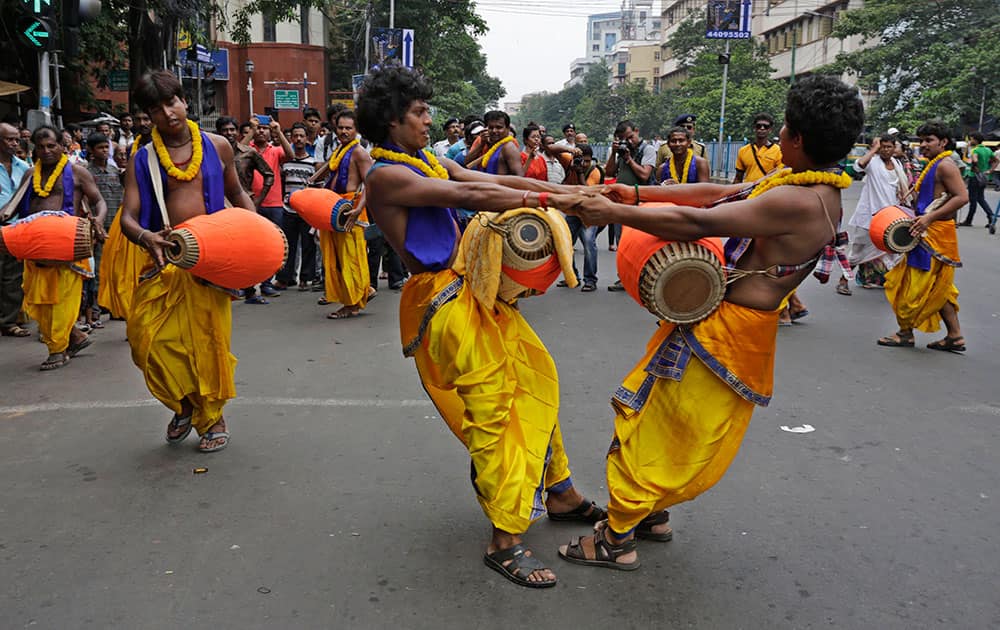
(605, 554)
(897, 341)
(948, 344)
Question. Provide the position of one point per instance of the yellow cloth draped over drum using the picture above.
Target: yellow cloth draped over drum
(179, 330)
(121, 264)
(345, 264)
(52, 296)
(918, 296)
(683, 410)
(497, 389)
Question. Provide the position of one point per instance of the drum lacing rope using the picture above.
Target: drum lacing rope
(486, 222)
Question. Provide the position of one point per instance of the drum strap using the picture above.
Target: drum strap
(156, 177)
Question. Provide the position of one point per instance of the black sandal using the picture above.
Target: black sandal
(645, 528)
(519, 568)
(586, 512)
(897, 341)
(948, 344)
(605, 554)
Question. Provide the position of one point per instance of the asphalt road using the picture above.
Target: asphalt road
(343, 502)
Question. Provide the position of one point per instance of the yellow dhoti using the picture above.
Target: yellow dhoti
(345, 266)
(52, 296)
(179, 330)
(497, 389)
(683, 410)
(918, 296)
(121, 264)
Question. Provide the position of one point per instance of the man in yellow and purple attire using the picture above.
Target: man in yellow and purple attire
(484, 368)
(682, 412)
(921, 288)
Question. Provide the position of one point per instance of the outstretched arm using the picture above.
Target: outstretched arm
(460, 174)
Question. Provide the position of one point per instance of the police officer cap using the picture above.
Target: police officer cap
(685, 119)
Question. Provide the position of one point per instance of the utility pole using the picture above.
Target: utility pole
(722, 109)
(392, 13)
(368, 36)
(44, 87)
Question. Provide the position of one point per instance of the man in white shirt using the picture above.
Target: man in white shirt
(452, 132)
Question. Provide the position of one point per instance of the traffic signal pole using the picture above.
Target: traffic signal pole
(44, 86)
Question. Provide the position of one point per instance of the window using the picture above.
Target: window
(596, 48)
(304, 23)
(656, 55)
(269, 29)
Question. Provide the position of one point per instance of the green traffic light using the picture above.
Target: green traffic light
(35, 33)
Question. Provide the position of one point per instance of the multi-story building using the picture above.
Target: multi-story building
(609, 37)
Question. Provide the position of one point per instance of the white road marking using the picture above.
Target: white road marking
(238, 401)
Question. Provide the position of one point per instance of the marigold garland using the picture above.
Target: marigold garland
(339, 154)
(687, 167)
(496, 147)
(432, 168)
(51, 181)
(805, 178)
(927, 169)
(196, 155)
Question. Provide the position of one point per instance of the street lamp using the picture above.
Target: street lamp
(248, 66)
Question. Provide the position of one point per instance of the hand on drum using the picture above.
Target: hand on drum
(669, 182)
(920, 225)
(155, 243)
(351, 218)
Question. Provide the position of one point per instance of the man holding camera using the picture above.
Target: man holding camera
(632, 161)
(583, 171)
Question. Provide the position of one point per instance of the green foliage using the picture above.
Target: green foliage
(749, 88)
(927, 59)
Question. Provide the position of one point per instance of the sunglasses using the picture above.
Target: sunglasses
(762, 126)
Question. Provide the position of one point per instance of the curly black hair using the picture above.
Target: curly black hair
(385, 96)
(828, 115)
(935, 128)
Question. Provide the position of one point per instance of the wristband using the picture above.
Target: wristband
(138, 239)
(524, 199)
(637, 194)
(543, 200)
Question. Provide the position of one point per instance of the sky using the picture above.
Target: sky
(531, 42)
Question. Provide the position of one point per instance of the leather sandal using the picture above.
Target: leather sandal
(605, 554)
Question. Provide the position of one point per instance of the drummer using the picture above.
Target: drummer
(682, 412)
(180, 328)
(52, 293)
(485, 369)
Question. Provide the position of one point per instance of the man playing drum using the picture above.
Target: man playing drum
(485, 369)
(179, 327)
(921, 289)
(52, 292)
(682, 412)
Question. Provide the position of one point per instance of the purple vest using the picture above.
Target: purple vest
(920, 258)
(68, 184)
(212, 181)
(692, 170)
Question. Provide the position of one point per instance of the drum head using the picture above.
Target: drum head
(528, 240)
(688, 291)
(340, 209)
(183, 250)
(898, 237)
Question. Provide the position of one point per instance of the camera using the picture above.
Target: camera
(623, 149)
(577, 162)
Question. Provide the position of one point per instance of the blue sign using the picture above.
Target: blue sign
(728, 19)
(408, 47)
(218, 58)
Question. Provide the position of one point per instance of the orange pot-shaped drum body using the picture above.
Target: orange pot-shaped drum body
(321, 208)
(680, 282)
(49, 236)
(231, 248)
(890, 230)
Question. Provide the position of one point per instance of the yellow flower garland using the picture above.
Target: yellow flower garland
(494, 149)
(53, 177)
(927, 169)
(196, 155)
(432, 168)
(135, 146)
(339, 154)
(687, 166)
(805, 178)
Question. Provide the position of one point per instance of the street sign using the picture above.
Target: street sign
(36, 33)
(118, 80)
(286, 99)
(728, 19)
(408, 47)
(199, 53)
(218, 58)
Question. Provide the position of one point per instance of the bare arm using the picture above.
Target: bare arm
(93, 196)
(772, 214)
(512, 157)
(234, 190)
(952, 182)
(399, 186)
(261, 166)
(460, 174)
(695, 195)
(641, 171)
(282, 140)
(153, 242)
(862, 162)
(701, 165)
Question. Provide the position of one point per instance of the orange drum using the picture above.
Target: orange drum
(529, 263)
(890, 230)
(48, 236)
(679, 282)
(321, 208)
(231, 248)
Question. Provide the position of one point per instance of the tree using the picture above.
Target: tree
(749, 89)
(924, 59)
